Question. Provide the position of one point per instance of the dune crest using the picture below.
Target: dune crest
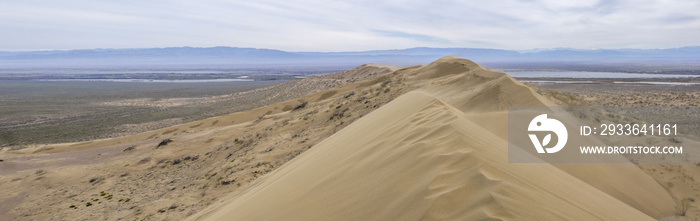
(418, 158)
(437, 153)
(423, 142)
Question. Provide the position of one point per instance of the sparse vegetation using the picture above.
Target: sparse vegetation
(228, 163)
(50, 114)
(349, 94)
(561, 98)
(96, 180)
(164, 142)
(338, 113)
(300, 106)
(130, 148)
(683, 206)
(662, 103)
(385, 83)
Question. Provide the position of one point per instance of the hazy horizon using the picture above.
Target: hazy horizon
(398, 49)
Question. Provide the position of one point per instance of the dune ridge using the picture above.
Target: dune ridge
(426, 161)
(440, 152)
(422, 142)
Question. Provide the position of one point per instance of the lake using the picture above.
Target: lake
(586, 74)
(154, 80)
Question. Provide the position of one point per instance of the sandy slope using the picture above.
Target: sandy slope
(490, 93)
(423, 142)
(440, 152)
(418, 158)
(206, 159)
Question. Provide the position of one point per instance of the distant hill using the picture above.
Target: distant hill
(232, 57)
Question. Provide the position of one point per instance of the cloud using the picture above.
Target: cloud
(416, 37)
(314, 25)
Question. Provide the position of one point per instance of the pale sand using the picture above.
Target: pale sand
(440, 153)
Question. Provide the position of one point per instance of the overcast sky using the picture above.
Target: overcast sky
(308, 25)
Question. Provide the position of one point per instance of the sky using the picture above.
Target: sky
(314, 25)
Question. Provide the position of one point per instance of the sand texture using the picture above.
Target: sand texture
(420, 143)
(421, 157)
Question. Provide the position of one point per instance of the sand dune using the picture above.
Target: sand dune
(420, 143)
(440, 152)
(417, 158)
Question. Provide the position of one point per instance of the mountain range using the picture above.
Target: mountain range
(233, 57)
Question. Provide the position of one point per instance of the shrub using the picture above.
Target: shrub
(682, 209)
(129, 148)
(300, 105)
(164, 142)
(349, 94)
(96, 180)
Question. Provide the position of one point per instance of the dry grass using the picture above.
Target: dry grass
(215, 163)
